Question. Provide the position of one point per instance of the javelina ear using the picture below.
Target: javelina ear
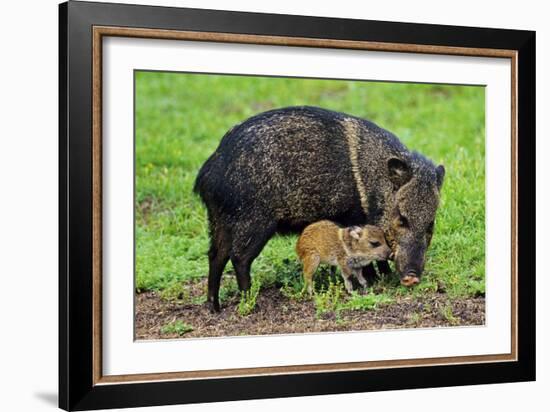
(355, 232)
(399, 172)
(440, 171)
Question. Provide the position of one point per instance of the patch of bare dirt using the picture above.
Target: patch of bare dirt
(276, 314)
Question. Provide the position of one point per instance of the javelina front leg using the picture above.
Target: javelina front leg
(369, 273)
(384, 267)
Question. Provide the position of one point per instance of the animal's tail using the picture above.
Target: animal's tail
(201, 181)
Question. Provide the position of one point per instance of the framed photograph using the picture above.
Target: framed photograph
(256, 205)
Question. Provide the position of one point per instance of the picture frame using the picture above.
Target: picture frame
(83, 27)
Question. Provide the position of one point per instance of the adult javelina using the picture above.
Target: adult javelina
(284, 169)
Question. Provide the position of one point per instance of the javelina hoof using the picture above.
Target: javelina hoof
(409, 280)
(213, 307)
(363, 291)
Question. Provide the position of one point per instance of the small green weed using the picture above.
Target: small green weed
(329, 300)
(368, 301)
(415, 318)
(181, 292)
(178, 327)
(447, 313)
(176, 291)
(248, 299)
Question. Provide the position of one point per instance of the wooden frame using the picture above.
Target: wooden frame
(82, 27)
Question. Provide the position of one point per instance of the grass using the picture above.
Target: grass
(447, 313)
(178, 328)
(180, 119)
(329, 300)
(247, 304)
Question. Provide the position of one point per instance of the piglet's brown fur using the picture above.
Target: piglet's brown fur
(350, 248)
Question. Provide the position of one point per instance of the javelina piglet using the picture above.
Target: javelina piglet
(350, 248)
(284, 169)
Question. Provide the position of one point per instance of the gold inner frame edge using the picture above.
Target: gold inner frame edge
(101, 31)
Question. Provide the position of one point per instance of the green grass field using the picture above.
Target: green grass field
(180, 119)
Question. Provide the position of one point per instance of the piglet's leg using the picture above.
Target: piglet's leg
(346, 275)
(311, 263)
(359, 275)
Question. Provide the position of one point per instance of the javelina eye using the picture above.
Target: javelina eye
(374, 244)
(402, 221)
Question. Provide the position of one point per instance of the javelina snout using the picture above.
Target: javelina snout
(409, 262)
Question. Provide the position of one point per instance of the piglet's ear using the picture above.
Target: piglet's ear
(440, 171)
(399, 172)
(355, 232)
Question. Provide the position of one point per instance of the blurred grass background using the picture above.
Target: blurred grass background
(180, 119)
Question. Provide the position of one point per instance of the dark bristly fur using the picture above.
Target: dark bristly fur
(284, 169)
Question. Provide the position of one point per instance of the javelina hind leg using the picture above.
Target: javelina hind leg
(218, 255)
(384, 267)
(311, 263)
(369, 273)
(247, 245)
